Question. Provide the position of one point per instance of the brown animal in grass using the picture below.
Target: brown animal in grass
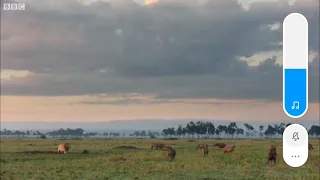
(310, 147)
(200, 146)
(220, 145)
(205, 150)
(157, 146)
(64, 148)
(229, 148)
(171, 152)
(272, 155)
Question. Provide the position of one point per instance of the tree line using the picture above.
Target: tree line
(202, 129)
(198, 129)
(78, 132)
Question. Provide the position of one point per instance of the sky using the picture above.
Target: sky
(66, 61)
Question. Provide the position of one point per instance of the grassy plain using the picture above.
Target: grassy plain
(20, 160)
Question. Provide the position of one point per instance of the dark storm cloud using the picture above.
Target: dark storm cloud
(172, 50)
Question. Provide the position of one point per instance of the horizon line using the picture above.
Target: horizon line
(200, 119)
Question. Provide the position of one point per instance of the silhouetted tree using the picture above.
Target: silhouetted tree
(179, 131)
(239, 131)
(171, 131)
(210, 128)
(261, 128)
(184, 131)
(281, 129)
(217, 132)
(314, 131)
(270, 131)
(90, 134)
(143, 133)
(222, 128)
(191, 128)
(165, 132)
(249, 129)
(232, 129)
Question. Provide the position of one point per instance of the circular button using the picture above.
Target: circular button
(295, 135)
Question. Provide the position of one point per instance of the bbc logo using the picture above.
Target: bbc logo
(14, 6)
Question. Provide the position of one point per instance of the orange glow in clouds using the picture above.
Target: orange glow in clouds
(149, 2)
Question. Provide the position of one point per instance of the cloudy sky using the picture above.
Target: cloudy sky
(97, 60)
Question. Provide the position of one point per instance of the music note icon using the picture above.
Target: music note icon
(295, 105)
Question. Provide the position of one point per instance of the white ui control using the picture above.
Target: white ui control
(295, 145)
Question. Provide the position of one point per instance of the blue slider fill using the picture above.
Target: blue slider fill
(295, 92)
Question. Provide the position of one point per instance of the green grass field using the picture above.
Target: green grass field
(248, 161)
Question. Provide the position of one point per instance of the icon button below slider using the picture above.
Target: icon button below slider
(295, 135)
(295, 144)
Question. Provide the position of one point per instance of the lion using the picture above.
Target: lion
(64, 148)
(171, 152)
(157, 145)
(310, 147)
(229, 148)
(200, 146)
(272, 155)
(204, 148)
